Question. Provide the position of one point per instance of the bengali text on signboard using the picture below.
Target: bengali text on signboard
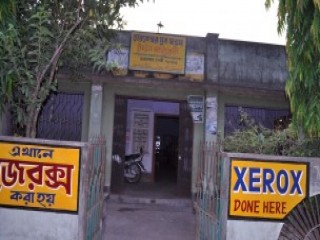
(157, 52)
(39, 176)
(266, 189)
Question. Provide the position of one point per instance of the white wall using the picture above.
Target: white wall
(240, 230)
(17, 224)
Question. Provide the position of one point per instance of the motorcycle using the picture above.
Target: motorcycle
(133, 167)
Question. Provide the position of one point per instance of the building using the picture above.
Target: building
(159, 79)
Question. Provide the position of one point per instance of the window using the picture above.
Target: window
(269, 118)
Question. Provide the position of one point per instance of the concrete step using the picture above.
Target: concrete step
(173, 202)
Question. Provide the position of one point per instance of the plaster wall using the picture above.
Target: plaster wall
(212, 58)
(235, 63)
(36, 225)
(211, 115)
(252, 64)
(239, 230)
(195, 44)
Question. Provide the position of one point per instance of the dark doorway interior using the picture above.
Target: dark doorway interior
(166, 148)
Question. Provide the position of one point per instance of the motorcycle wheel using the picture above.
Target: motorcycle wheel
(135, 173)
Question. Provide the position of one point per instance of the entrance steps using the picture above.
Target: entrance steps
(172, 202)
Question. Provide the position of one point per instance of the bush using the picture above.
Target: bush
(254, 138)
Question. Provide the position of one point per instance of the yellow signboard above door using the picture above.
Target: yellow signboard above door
(157, 52)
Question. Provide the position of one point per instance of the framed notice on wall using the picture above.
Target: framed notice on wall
(119, 57)
(140, 130)
(196, 106)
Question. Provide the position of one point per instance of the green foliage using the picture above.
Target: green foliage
(24, 53)
(39, 37)
(7, 8)
(301, 21)
(254, 138)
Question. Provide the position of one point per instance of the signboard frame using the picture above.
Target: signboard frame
(156, 56)
(24, 159)
(257, 218)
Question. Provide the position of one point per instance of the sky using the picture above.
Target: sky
(245, 20)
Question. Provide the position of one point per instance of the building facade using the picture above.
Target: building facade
(167, 94)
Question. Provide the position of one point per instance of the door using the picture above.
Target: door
(185, 150)
(119, 143)
(166, 148)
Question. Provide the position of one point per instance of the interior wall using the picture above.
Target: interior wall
(155, 107)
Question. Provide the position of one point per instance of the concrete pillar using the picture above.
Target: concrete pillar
(211, 116)
(212, 76)
(95, 118)
(212, 57)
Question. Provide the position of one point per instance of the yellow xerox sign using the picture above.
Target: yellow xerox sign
(43, 177)
(157, 52)
(266, 189)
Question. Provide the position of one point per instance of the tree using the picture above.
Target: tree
(39, 36)
(7, 9)
(301, 21)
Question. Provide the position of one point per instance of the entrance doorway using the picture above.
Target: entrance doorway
(166, 148)
(165, 131)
